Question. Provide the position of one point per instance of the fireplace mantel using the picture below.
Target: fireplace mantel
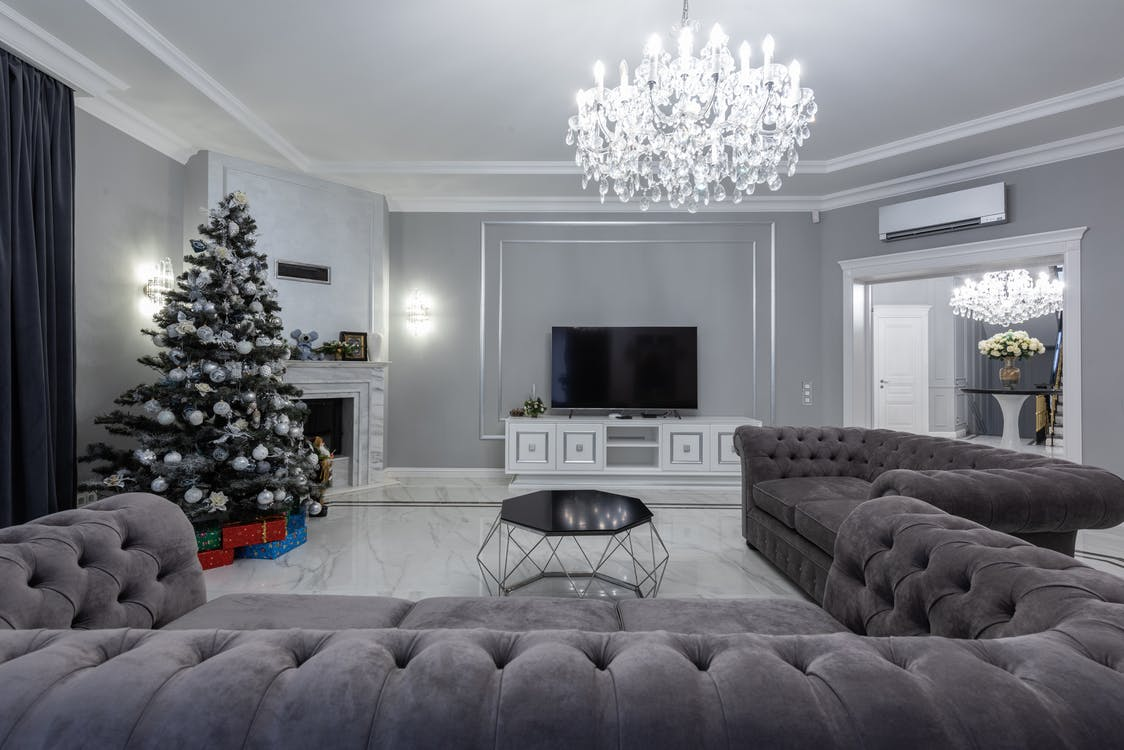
(364, 385)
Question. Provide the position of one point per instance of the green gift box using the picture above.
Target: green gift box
(208, 536)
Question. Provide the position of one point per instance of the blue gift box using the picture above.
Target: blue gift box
(296, 521)
(273, 550)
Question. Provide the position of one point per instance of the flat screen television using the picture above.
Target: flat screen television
(624, 367)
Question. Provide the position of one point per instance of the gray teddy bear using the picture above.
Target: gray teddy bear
(304, 345)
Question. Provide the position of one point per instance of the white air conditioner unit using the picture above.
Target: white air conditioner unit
(950, 212)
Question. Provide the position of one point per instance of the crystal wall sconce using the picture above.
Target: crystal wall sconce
(417, 313)
(161, 281)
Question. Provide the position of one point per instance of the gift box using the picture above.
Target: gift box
(296, 521)
(208, 536)
(240, 534)
(216, 558)
(273, 550)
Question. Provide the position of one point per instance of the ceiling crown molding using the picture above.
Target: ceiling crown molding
(445, 167)
(45, 50)
(131, 122)
(580, 204)
(144, 34)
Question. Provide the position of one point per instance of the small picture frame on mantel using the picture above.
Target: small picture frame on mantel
(358, 342)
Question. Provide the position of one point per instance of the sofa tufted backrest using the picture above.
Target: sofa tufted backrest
(126, 561)
(782, 452)
(903, 567)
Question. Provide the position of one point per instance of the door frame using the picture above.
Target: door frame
(1061, 246)
(920, 312)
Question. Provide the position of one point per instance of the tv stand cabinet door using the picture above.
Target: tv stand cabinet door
(684, 447)
(531, 447)
(581, 447)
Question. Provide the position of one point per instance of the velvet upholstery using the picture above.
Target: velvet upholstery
(818, 521)
(973, 639)
(1042, 500)
(515, 614)
(308, 611)
(126, 561)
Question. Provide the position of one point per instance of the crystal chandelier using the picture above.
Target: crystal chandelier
(1007, 297)
(692, 129)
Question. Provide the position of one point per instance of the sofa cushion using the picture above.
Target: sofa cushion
(818, 520)
(773, 616)
(279, 611)
(779, 497)
(519, 614)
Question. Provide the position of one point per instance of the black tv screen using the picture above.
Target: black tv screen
(624, 367)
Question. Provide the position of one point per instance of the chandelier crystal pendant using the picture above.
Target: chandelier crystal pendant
(1008, 297)
(692, 129)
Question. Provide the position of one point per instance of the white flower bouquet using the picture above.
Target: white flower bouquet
(1011, 344)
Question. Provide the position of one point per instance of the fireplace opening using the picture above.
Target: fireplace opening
(326, 420)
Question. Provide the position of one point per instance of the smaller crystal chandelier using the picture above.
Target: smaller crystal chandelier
(1007, 297)
(692, 129)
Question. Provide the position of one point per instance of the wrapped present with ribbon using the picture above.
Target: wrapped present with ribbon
(273, 550)
(241, 534)
(208, 536)
(216, 558)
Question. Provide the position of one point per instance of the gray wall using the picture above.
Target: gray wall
(1081, 192)
(128, 215)
(705, 278)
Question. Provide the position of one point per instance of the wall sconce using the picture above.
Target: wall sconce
(417, 313)
(161, 280)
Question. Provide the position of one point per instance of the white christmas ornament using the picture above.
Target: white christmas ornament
(221, 408)
(159, 484)
(256, 307)
(220, 453)
(248, 397)
(250, 288)
(152, 406)
(281, 428)
(165, 417)
(260, 453)
(193, 495)
(296, 431)
(240, 463)
(244, 347)
(265, 371)
(218, 375)
(177, 375)
(265, 497)
(209, 367)
(172, 457)
(205, 333)
(195, 417)
(263, 341)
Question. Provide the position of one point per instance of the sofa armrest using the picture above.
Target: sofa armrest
(904, 567)
(1060, 498)
(126, 561)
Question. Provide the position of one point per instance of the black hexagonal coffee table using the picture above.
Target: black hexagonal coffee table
(610, 533)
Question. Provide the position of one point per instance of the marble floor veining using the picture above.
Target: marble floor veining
(419, 538)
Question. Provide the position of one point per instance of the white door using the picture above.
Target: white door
(900, 356)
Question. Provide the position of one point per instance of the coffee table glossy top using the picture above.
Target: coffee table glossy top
(575, 512)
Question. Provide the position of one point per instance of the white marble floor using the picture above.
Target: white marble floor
(420, 537)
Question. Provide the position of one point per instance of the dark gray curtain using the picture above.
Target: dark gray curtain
(37, 430)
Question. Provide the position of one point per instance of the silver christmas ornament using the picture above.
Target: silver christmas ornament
(208, 308)
(159, 484)
(264, 467)
(209, 367)
(165, 417)
(193, 495)
(172, 457)
(265, 497)
(240, 463)
(260, 452)
(248, 397)
(278, 402)
(205, 333)
(220, 453)
(265, 371)
(250, 288)
(196, 417)
(244, 347)
(314, 508)
(221, 408)
(218, 375)
(152, 406)
(263, 341)
(177, 375)
(159, 339)
(296, 431)
(177, 356)
(281, 428)
(256, 306)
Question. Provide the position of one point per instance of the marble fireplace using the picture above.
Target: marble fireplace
(360, 388)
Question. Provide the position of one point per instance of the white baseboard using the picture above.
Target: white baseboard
(950, 434)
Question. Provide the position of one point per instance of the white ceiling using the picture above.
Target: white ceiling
(445, 103)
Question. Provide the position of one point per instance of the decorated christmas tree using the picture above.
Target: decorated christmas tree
(218, 432)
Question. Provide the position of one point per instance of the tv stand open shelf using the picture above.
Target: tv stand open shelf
(599, 451)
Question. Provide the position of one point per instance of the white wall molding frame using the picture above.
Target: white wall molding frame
(1062, 246)
(485, 317)
(146, 35)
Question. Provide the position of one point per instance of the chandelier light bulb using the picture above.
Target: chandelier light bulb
(703, 128)
(599, 74)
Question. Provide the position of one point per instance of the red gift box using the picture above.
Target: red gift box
(258, 532)
(216, 558)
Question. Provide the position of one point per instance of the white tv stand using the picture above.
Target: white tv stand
(598, 451)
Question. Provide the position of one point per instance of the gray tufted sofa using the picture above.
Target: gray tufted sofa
(800, 483)
(938, 633)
